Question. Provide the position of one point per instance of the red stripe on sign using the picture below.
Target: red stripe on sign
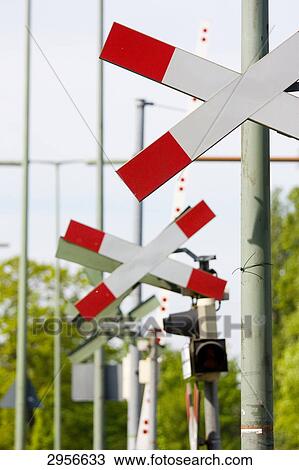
(137, 52)
(195, 218)
(95, 302)
(206, 284)
(84, 236)
(153, 166)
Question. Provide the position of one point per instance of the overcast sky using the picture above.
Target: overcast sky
(66, 30)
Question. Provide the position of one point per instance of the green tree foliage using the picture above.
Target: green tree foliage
(285, 254)
(172, 423)
(287, 387)
(285, 271)
(76, 417)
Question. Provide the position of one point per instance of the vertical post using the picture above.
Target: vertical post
(141, 103)
(211, 407)
(20, 406)
(208, 330)
(98, 404)
(57, 316)
(134, 397)
(153, 393)
(256, 354)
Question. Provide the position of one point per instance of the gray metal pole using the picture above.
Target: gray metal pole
(211, 408)
(153, 394)
(256, 353)
(20, 408)
(57, 316)
(141, 103)
(98, 404)
(134, 396)
(208, 327)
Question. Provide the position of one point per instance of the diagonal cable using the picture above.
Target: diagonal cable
(68, 95)
(49, 386)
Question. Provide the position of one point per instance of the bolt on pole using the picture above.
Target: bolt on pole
(256, 350)
(98, 404)
(20, 405)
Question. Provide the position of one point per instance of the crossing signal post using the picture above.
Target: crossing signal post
(207, 353)
(208, 358)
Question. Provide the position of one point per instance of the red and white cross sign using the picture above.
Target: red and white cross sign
(231, 98)
(139, 261)
(109, 248)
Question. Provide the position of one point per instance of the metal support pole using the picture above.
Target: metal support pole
(153, 394)
(98, 404)
(208, 330)
(134, 402)
(141, 103)
(256, 353)
(134, 397)
(211, 407)
(20, 407)
(57, 316)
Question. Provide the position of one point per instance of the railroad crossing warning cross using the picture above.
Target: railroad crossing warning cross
(231, 98)
(138, 262)
(103, 252)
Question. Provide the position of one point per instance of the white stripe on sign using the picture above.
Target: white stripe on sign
(144, 262)
(118, 249)
(121, 250)
(281, 114)
(174, 271)
(196, 76)
(232, 105)
(202, 79)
